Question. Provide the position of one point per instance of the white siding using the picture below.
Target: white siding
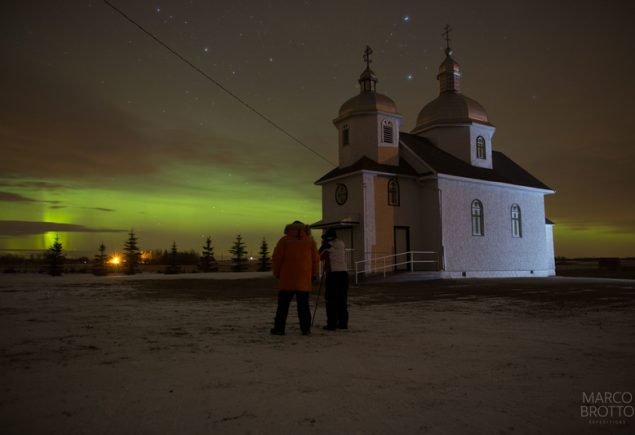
(496, 253)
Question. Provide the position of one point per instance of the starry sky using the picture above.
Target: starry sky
(103, 130)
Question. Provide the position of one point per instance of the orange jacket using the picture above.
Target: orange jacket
(295, 259)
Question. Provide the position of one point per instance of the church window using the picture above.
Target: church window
(517, 230)
(387, 132)
(480, 148)
(341, 194)
(477, 218)
(393, 192)
(345, 135)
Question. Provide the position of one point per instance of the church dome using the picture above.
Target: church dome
(451, 107)
(368, 102)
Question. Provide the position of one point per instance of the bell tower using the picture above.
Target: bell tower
(368, 124)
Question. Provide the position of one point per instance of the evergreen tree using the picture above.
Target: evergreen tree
(173, 267)
(239, 255)
(207, 262)
(131, 254)
(100, 267)
(55, 258)
(264, 260)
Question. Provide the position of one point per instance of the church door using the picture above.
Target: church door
(402, 245)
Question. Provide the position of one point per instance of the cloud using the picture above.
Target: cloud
(24, 228)
(15, 197)
(36, 185)
(100, 209)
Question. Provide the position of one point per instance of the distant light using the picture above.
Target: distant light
(206, 49)
(271, 59)
(158, 9)
(251, 258)
(405, 18)
(410, 76)
(115, 260)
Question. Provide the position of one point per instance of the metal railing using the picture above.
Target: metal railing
(383, 264)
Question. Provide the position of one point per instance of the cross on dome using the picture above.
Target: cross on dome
(366, 56)
(446, 35)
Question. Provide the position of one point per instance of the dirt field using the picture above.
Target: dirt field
(115, 355)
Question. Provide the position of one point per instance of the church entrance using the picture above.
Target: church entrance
(402, 245)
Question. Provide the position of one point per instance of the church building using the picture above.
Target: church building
(439, 195)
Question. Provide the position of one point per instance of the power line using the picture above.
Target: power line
(208, 77)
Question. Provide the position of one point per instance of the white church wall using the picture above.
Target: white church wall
(486, 132)
(429, 226)
(350, 210)
(551, 257)
(364, 139)
(496, 253)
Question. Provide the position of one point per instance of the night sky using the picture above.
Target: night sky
(103, 130)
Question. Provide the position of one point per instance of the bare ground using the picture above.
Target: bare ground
(194, 356)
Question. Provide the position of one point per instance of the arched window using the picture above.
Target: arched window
(387, 133)
(480, 148)
(477, 218)
(393, 192)
(345, 134)
(517, 229)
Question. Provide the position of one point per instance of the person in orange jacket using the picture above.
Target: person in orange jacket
(295, 264)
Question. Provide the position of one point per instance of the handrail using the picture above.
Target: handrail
(410, 260)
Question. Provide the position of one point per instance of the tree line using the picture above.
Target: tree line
(173, 258)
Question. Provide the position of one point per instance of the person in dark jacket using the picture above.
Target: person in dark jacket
(295, 263)
(333, 253)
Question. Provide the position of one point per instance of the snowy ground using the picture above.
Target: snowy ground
(184, 354)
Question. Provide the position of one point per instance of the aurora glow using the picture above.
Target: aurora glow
(103, 130)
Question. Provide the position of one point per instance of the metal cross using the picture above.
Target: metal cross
(446, 35)
(367, 54)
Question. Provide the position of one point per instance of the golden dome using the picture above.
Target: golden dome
(368, 102)
(451, 107)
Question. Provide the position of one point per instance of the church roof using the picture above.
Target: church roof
(366, 164)
(504, 169)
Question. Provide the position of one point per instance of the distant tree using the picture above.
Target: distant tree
(100, 266)
(207, 262)
(239, 255)
(173, 256)
(264, 260)
(55, 258)
(131, 254)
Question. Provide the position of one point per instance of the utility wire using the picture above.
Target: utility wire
(208, 77)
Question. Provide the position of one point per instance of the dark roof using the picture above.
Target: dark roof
(370, 165)
(549, 222)
(504, 169)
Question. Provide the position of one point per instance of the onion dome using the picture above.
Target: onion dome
(368, 100)
(450, 106)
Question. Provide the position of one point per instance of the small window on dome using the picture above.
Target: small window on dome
(345, 135)
(480, 148)
(387, 132)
